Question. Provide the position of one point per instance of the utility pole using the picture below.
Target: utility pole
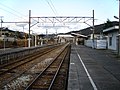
(23, 25)
(1, 23)
(24, 36)
(119, 32)
(29, 27)
(35, 40)
(118, 45)
(1, 32)
(93, 31)
(47, 36)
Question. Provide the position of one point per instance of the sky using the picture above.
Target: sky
(18, 10)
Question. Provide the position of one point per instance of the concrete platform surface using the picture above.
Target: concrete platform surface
(92, 69)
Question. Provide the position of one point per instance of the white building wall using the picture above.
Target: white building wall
(7, 38)
(98, 44)
(65, 38)
(114, 40)
(89, 43)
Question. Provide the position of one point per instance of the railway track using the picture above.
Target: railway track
(16, 60)
(54, 76)
(11, 73)
(13, 55)
(20, 61)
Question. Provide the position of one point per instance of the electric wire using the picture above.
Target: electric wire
(10, 12)
(52, 8)
(14, 11)
(11, 9)
(18, 13)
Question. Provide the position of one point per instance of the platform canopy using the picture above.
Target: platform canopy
(78, 35)
(65, 35)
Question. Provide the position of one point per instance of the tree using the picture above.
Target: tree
(108, 24)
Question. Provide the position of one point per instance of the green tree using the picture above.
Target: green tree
(108, 24)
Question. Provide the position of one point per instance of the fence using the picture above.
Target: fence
(98, 44)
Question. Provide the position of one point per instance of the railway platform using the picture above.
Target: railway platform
(11, 53)
(10, 50)
(92, 69)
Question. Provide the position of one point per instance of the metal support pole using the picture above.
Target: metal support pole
(1, 27)
(1, 24)
(24, 38)
(35, 40)
(29, 27)
(4, 41)
(93, 31)
(119, 32)
(46, 36)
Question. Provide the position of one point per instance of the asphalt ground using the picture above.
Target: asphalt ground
(92, 69)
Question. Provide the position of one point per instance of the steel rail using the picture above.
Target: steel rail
(28, 61)
(54, 78)
(5, 70)
(26, 55)
(40, 74)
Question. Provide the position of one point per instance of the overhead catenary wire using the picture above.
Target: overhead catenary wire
(14, 11)
(52, 7)
(17, 14)
(10, 12)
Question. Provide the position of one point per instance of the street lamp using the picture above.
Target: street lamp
(118, 31)
(116, 17)
(93, 31)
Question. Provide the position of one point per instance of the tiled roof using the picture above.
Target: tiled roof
(98, 29)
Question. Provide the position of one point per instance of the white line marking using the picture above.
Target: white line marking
(90, 78)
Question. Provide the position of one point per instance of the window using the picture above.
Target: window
(110, 41)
